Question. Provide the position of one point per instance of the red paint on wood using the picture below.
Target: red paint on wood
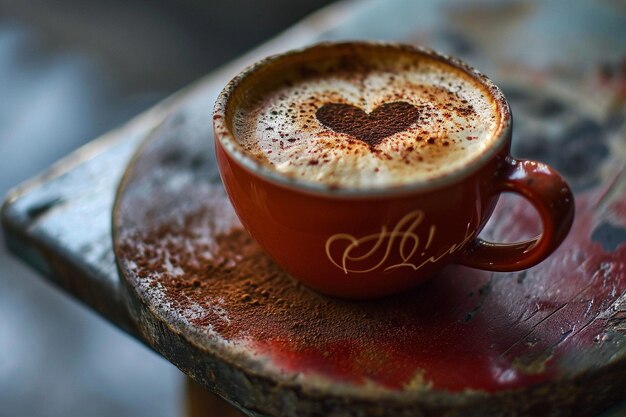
(472, 330)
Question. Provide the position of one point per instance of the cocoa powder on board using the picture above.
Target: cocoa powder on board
(241, 293)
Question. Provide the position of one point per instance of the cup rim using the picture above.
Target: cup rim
(230, 145)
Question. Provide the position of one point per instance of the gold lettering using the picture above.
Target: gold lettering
(408, 245)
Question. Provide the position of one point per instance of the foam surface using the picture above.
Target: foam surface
(371, 125)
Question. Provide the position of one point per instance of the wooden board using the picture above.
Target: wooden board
(547, 339)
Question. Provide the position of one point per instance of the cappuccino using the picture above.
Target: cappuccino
(365, 120)
(363, 168)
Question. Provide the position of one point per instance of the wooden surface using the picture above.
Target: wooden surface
(545, 342)
(549, 339)
(202, 403)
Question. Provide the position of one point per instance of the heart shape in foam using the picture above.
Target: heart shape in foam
(386, 120)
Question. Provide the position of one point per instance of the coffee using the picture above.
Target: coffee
(365, 120)
(363, 168)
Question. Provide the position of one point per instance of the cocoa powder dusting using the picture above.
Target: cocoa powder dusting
(372, 128)
(242, 294)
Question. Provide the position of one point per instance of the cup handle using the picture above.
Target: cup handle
(552, 198)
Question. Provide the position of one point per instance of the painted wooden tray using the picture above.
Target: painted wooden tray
(546, 341)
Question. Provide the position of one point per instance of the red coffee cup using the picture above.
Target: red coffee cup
(365, 243)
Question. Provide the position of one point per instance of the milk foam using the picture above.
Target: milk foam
(457, 121)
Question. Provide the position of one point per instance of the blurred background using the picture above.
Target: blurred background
(71, 70)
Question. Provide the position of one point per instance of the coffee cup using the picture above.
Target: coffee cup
(363, 168)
